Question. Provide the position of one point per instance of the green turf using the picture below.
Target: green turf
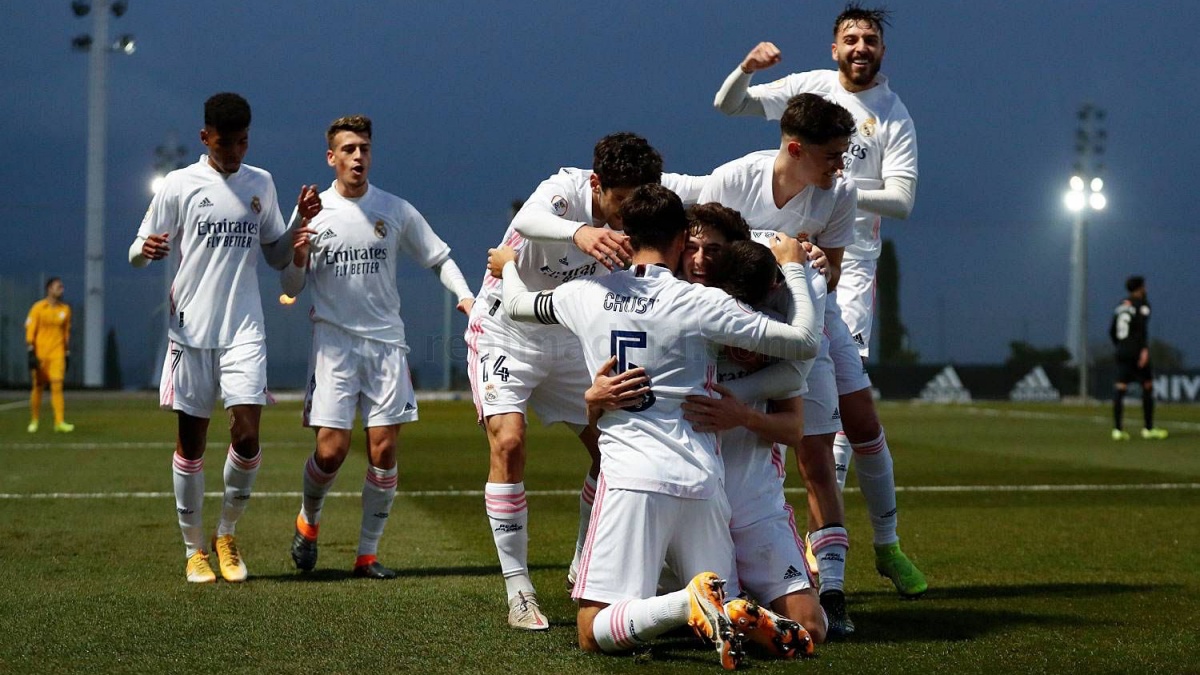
(1021, 581)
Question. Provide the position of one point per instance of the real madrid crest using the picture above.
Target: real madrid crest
(256, 205)
(380, 230)
(489, 392)
(867, 128)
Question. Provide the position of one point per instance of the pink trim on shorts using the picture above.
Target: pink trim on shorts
(586, 559)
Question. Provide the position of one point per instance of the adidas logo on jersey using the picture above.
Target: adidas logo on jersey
(792, 573)
(1035, 387)
(945, 387)
(327, 234)
(563, 260)
(204, 203)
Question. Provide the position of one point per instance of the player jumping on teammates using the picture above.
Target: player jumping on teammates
(882, 159)
(348, 254)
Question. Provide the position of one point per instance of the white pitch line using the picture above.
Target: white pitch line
(572, 493)
(1040, 415)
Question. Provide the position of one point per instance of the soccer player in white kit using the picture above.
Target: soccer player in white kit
(758, 417)
(660, 499)
(798, 191)
(882, 159)
(567, 229)
(348, 255)
(209, 219)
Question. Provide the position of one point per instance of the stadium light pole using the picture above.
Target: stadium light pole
(98, 46)
(1085, 193)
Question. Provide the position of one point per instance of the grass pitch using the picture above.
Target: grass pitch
(1048, 548)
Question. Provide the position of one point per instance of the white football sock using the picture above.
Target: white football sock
(317, 484)
(379, 490)
(188, 477)
(830, 545)
(632, 623)
(508, 516)
(587, 497)
(878, 485)
(842, 454)
(239, 480)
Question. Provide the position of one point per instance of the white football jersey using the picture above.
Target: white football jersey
(824, 217)
(353, 262)
(547, 265)
(754, 468)
(646, 317)
(215, 225)
(883, 145)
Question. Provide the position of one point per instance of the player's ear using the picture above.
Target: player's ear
(329, 157)
(204, 136)
(594, 181)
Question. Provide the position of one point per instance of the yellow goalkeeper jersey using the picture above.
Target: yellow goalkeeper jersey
(48, 328)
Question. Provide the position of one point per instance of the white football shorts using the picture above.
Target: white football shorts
(856, 294)
(848, 367)
(821, 414)
(191, 377)
(349, 373)
(545, 371)
(633, 533)
(770, 557)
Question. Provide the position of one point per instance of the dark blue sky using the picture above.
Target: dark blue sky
(475, 102)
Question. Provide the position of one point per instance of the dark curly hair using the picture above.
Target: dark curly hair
(626, 160)
(746, 270)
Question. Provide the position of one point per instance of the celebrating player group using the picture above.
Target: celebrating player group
(688, 329)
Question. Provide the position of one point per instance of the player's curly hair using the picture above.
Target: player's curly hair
(746, 270)
(855, 14)
(720, 218)
(626, 160)
(227, 112)
(813, 119)
(1134, 283)
(654, 217)
(359, 124)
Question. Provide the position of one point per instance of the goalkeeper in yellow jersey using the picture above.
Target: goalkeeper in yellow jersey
(48, 336)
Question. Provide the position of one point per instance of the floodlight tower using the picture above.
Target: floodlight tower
(1086, 193)
(98, 46)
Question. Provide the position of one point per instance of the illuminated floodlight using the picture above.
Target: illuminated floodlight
(1097, 201)
(1076, 184)
(1075, 201)
(1097, 185)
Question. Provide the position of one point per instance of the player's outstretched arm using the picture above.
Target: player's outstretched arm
(801, 338)
(452, 278)
(733, 98)
(709, 414)
(522, 305)
(777, 380)
(894, 200)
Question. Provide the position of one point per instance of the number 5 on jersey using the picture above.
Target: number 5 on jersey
(620, 342)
